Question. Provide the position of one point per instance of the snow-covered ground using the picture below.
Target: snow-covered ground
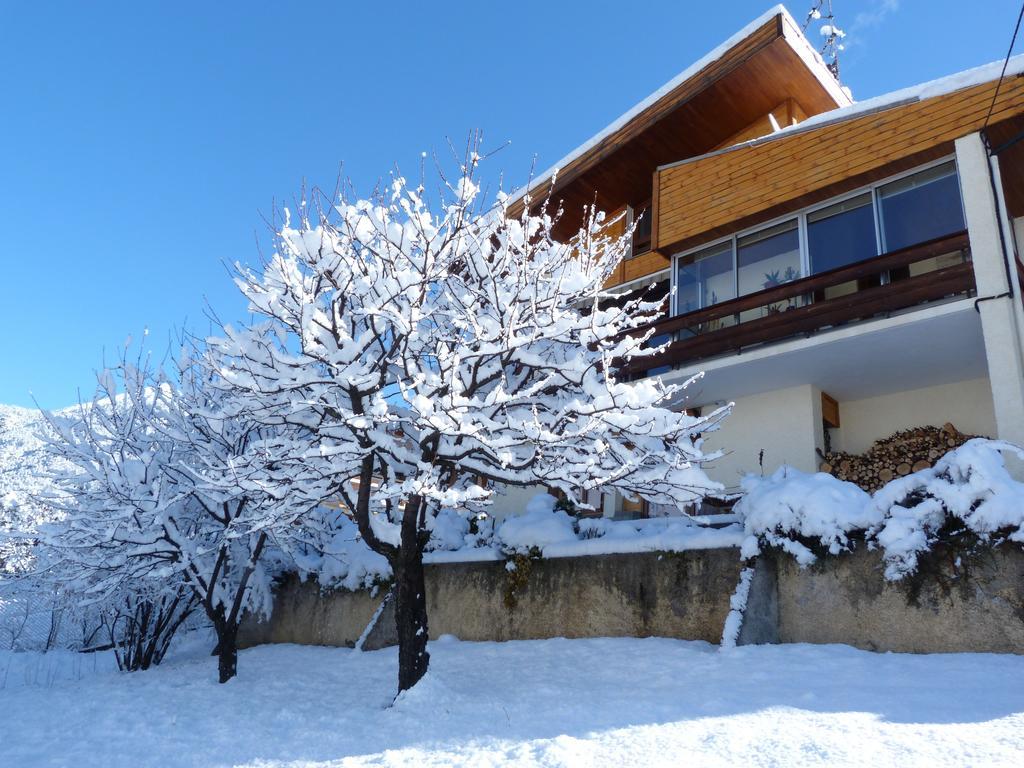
(615, 702)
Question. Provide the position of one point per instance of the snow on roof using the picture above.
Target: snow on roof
(940, 87)
(931, 89)
(799, 43)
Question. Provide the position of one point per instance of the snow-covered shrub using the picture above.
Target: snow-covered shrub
(968, 491)
(793, 511)
(594, 527)
(140, 627)
(448, 530)
(481, 531)
(968, 499)
(539, 525)
(342, 560)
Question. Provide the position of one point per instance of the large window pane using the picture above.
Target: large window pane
(841, 234)
(706, 280)
(767, 259)
(920, 207)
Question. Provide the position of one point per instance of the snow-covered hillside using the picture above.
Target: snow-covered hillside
(25, 466)
(23, 458)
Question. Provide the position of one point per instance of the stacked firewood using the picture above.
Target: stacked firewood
(904, 452)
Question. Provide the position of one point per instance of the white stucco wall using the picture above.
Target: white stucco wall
(966, 404)
(785, 424)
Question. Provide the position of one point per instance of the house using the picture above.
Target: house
(838, 270)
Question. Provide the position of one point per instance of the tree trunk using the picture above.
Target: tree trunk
(411, 617)
(411, 597)
(227, 653)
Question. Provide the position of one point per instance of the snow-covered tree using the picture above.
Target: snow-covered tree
(438, 351)
(178, 495)
(100, 560)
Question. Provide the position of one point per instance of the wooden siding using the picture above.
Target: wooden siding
(718, 194)
(615, 229)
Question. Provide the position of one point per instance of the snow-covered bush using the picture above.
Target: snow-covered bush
(448, 530)
(792, 510)
(342, 559)
(968, 489)
(539, 526)
(968, 493)
(140, 627)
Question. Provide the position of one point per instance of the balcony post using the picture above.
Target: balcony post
(997, 298)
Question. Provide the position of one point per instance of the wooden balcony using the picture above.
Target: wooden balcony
(888, 283)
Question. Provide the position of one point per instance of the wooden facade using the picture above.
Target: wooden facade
(721, 193)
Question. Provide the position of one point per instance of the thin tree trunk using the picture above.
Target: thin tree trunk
(227, 653)
(411, 600)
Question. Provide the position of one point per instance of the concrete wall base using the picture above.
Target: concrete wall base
(842, 599)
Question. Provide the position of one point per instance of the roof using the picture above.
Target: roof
(791, 33)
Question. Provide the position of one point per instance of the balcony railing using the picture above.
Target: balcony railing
(803, 307)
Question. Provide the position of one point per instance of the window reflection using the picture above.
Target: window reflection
(841, 234)
(920, 208)
(706, 280)
(768, 259)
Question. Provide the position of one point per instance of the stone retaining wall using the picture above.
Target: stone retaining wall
(846, 599)
(842, 599)
(670, 595)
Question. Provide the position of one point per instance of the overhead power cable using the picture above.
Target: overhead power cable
(1006, 63)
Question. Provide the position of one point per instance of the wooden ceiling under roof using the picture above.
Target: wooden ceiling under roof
(722, 100)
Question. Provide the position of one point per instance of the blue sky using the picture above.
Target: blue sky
(142, 143)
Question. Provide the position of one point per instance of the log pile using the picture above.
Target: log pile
(904, 452)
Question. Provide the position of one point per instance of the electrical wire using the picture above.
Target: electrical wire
(1006, 63)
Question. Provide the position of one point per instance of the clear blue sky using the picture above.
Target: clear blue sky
(141, 143)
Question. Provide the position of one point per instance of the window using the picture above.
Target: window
(841, 234)
(768, 258)
(642, 234)
(920, 208)
(706, 280)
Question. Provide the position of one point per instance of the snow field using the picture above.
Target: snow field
(593, 702)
